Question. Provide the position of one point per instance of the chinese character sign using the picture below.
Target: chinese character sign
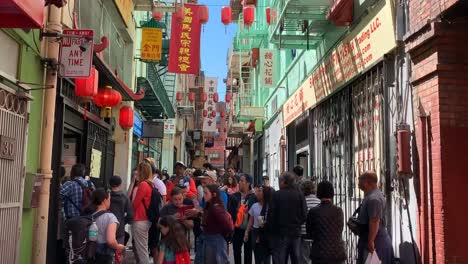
(184, 53)
(268, 68)
(76, 54)
(169, 126)
(209, 122)
(151, 44)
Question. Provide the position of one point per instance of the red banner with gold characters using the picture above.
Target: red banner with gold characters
(184, 53)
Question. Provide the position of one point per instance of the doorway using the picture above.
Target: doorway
(302, 158)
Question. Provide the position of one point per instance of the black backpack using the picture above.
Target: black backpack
(152, 212)
(232, 206)
(79, 249)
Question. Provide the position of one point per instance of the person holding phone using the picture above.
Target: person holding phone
(177, 208)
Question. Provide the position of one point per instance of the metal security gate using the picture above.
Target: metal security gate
(13, 125)
(347, 139)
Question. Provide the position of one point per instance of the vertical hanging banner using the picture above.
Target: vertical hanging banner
(184, 53)
(209, 122)
(268, 68)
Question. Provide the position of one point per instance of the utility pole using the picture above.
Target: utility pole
(53, 25)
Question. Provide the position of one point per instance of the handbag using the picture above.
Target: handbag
(354, 225)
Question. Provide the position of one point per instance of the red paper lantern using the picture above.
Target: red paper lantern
(87, 88)
(222, 114)
(226, 15)
(205, 113)
(179, 96)
(203, 97)
(213, 113)
(268, 15)
(204, 14)
(107, 97)
(215, 97)
(228, 98)
(126, 117)
(178, 15)
(157, 15)
(191, 96)
(249, 15)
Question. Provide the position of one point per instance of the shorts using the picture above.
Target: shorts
(154, 235)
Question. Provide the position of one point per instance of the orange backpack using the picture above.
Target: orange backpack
(241, 214)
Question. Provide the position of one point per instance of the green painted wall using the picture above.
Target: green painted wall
(30, 71)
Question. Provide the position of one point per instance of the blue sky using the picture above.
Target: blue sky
(215, 43)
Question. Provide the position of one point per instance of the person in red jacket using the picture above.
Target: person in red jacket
(181, 180)
(140, 201)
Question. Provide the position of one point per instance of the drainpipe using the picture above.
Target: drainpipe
(53, 25)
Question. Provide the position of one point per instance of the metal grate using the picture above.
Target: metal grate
(347, 139)
(13, 123)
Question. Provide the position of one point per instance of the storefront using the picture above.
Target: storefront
(335, 119)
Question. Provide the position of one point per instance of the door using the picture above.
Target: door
(13, 125)
(302, 157)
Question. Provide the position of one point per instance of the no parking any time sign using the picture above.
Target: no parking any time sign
(76, 53)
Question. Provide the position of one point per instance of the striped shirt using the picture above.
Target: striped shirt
(311, 201)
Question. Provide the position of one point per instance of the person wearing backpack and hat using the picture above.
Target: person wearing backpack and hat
(141, 223)
(76, 192)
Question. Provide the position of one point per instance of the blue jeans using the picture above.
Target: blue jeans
(282, 245)
(211, 249)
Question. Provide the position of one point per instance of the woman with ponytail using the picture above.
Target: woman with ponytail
(107, 224)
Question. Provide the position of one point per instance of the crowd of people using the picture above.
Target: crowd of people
(296, 224)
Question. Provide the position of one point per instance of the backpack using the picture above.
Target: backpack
(232, 206)
(86, 192)
(152, 212)
(79, 249)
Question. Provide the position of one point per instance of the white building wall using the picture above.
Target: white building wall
(273, 150)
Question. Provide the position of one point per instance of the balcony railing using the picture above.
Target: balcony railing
(299, 24)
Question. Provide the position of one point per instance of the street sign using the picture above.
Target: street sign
(76, 53)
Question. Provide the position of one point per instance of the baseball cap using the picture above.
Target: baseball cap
(209, 174)
(181, 164)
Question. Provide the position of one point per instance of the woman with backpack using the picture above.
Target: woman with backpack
(216, 225)
(174, 246)
(256, 225)
(106, 224)
(141, 203)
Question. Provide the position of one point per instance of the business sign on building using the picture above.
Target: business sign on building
(125, 8)
(252, 112)
(185, 42)
(153, 129)
(169, 126)
(151, 44)
(268, 73)
(76, 53)
(137, 125)
(356, 53)
(209, 122)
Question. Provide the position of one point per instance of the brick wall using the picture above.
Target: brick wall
(422, 11)
(440, 88)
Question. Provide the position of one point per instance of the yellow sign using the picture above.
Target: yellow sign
(151, 44)
(125, 8)
(357, 52)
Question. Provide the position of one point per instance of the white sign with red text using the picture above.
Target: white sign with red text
(76, 53)
(209, 121)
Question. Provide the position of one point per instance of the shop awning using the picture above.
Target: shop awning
(113, 80)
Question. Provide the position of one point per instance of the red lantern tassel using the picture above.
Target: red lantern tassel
(125, 136)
